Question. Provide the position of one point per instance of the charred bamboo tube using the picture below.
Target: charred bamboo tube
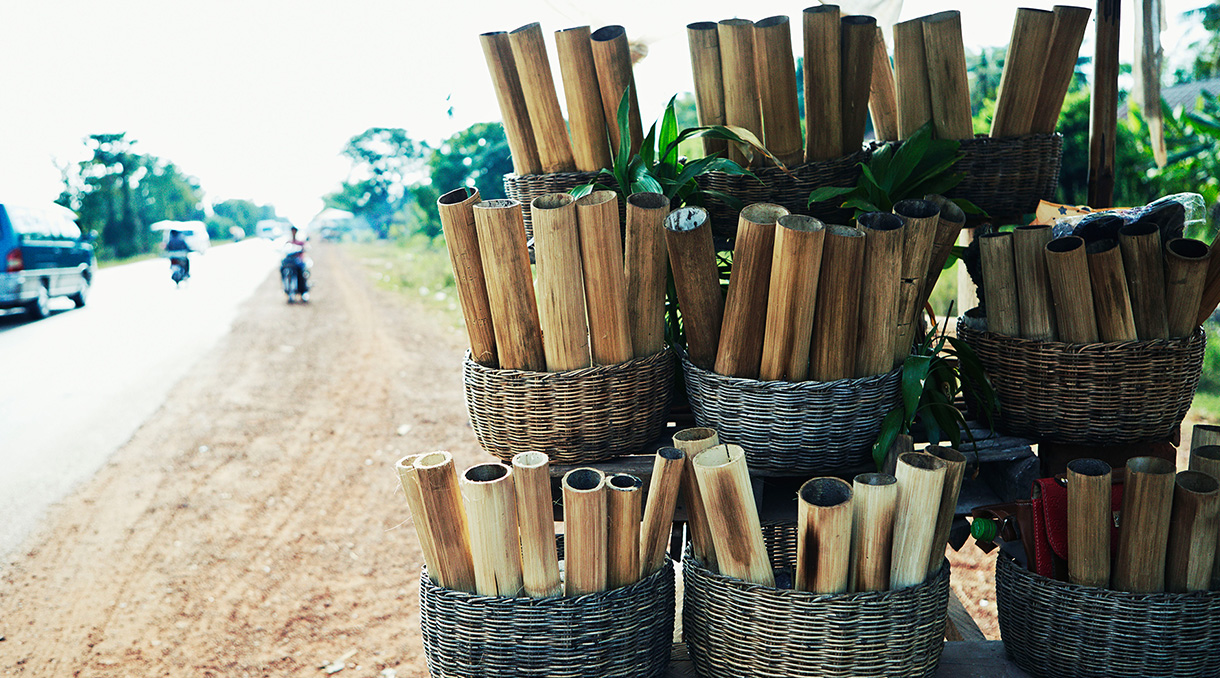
(903, 444)
(1089, 522)
(601, 255)
(1193, 532)
(692, 441)
(832, 352)
(1115, 321)
(1000, 283)
(879, 292)
(1033, 284)
(536, 524)
(663, 487)
(745, 307)
(1103, 104)
(560, 288)
(793, 291)
(1145, 270)
(498, 52)
(456, 210)
(415, 501)
(724, 481)
(955, 472)
(777, 90)
(586, 562)
(612, 57)
(538, 86)
(823, 536)
(1205, 458)
(438, 487)
(510, 284)
(741, 99)
(856, 62)
(911, 78)
(1211, 288)
(920, 219)
(822, 75)
(947, 80)
(948, 226)
(709, 87)
(874, 500)
(882, 98)
(1205, 435)
(1067, 266)
(645, 266)
(1067, 32)
(921, 482)
(1185, 276)
(1143, 535)
(1023, 68)
(590, 145)
(491, 512)
(692, 256)
(624, 506)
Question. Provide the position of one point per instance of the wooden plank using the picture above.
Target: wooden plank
(969, 659)
(960, 626)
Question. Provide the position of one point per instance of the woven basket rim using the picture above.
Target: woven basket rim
(592, 371)
(513, 176)
(784, 386)
(984, 139)
(1099, 346)
(775, 171)
(642, 585)
(1069, 588)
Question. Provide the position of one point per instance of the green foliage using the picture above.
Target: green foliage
(385, 160)
(241, 213)
(476, 157)
(1207, 51)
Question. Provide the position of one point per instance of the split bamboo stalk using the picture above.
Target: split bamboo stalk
(538, 87)
(1103, 103)
(920, 219)
(590, 145)
(560, 287)
(438, 488)
(1021, 80)
(1185, 275)
(911, 78)
(793, 291)
(832, 351)
(948, 226)
(536, 523)
(709, 87)
(822, 75)
(1089, 522)
(1111, 303)
(1205, 435)
(1143, 534)
(777, 90)
(1067, 33)
(491, 512)
(1033, 283)
(1205, 458)
(615, 75)
(601, 254)
(419, 518)
(921, 482)
(1000, 283)
(1144, 266)
(856, 62)
(1067, 266)
(741, 99)
(663, 487)
(692, 441)
(947, 80)
(745, 307)
(874, 500)
(498, 52)
(823, 536)
(1193, 532)
(586, 562)
(624, 507)
(724, 481)
(1211, 288)
(692, 256)
(510, 284)
(955, 472)
(456, 210)
(882, 97)
(644, 266)
(879, 292)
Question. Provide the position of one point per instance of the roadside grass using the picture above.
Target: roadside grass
(416, 267)
(1207, 398)
(107, 263)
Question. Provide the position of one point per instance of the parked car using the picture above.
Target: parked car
(43, 255)
(269, 228)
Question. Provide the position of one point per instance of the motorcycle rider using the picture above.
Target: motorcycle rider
(296, 242)
(177, 249)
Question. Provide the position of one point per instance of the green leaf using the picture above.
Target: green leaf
(862, 205)
(732, 201)
(914, 373)
(828, 193)
(907, 157)
(955, 253)
(648, 149)
(891, 426)
(882, 159)
(581, 191)
(669, 132)
(623, 157)
(967, 206)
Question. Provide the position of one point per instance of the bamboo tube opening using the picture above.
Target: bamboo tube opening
(671, 453)
(824, 523)
(949, 210)
(686, 219)
(1206, 452)
(915, 208)
(875, 479)
(648, 201)
(694, 435)
(763, 213)
(1089, 467)
(771, 21)
(1139, 228)
(800, 222)
(597, 198)
(625, 481)
(1197, 482)
(1188, 248)
(552, 201)
(530, 459)
(1150, 465)
(825, 492)
(879, 221)
(1065, 244)
(486, 473)
(433, 460)
(456, 196)
(584, 480)
(874, 499)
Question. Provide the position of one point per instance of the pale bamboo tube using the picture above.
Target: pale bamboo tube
(491, 512)
(1103, 104)
(741, 99)
(538, 87)
(793, 291)
(745, 306)
(601, 255)
(921, 482)
(1067, 266)
(777, 90)
(438, 488)
(1143, 534)
(1205, 458)
(1023, 68)
(590, 145)
(419, 518)
(947, 79)
(920, 219)
(1089, 522)
(1192, 532)
(955, 472)
(1067, 33)
(948, 226)
(823, 536)
(832, 351)
(586, 562)
(612, 56)
(1211, 288)
(560, 287)
(724, 481)
(822, 75)
(692, 441)
(882, 99)
(624, 508)
(498, 52)
(1111, 303)
(536, 523)
(704, 43)
(510, 284)
(1033, 284)
(874, 500)
(1144, 266)
(692, 256)
(1185, 276)
(911, 78)
(1205, 435)
(456, 210)
(1000, 283)
(663, 487)
(644, 266)
(856, 62)
(879, 290)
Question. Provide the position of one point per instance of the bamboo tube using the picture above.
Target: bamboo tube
(590, 145)
(1205, 458)
(1145, 270)
(692, 256)
(882, 98)
(419, 518)
(667, 472)
(491, 512)
(586, 561)
(903, 444)
(777, 90)
(955, 472)
(948, 226)
(823, 536)
(724, 481)
(1211, 288)
(1143, 534)
(692, 441)
(1205, 435)
(745, 307)
(601, 255)
(1089, 522)
(510, 284)
(823, 90)
(645, 266)
(1103, 103)
(879, 292)
(1067, 32)
(624, 507)
(1000, 283)
(536, 523)
(498, 52)
(456, 210)
(1115, 321)
(1021, 80)
(615, 75)
(560, 288)
(1185, 276)
(709, 87)
(832, 352)
(1033, 284)
(921, 482)
(1067, 266)
(1193, 532)
(947, 80)
(438, 488)
(793, 291)
(741, 99)
(911, 83)
(856, 62)
(538, 87)
(920, 219)
(874, 499)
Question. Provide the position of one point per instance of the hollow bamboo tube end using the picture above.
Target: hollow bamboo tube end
(792, 292)
(822, 32)
(824, 525)
(1185, 277)
(1067, 266)
(955, 473)
(1205, 458)
(921, 479)
(1089, 522)
(1144, 266)
(1111, 299)
(724, 480)
(536, 520)
(692, 441)
(491, 509)
(663, 490)
(745, 307)
(585, 531)
(1193, 532)
(1037, 310)
(1143, 536)
(624, 510)
(874, 499)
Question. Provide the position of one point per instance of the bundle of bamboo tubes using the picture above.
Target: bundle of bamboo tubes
(1038, 69)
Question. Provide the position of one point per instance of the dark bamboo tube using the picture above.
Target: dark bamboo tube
(823, 536)
(911, 78)
(874, 500)
(704, 43)
(692, 441)
(456, 210)
(1185, 275)
(1103, 103)
(1024, 66)
(1067, 32)
(947, 79)
(438, 487)
(692, 257)
(491, 513)
(903, 444)
(612, 57)
(1143, 534)
(538, 86)
(1067, 266)
(663, 488)
(590, 145)
(560, 287)
(624, 509)
(745, 306)
(1205, 435)
(920, 221)
(1000, 283)
(781, 121)
(586, 561)
(741, 99)
(921, 482)
(1033, 283)
(510, 284)
(732, 514)
(1089, 522)
(1144, 266)
(879, 292)
(822, 75)
(645, 266)
(856, 62)
(1111, 303)
(419, 517)
(1205, 458)
(1192, 532)
(795, 265)
(832, 352)
(1211, 287)
(498, 52)
(601, 254)
(536, 524)
(948, 227)
(955, 472)
(882, 97)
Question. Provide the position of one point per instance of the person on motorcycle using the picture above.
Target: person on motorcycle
(296, 242)
(177, 249)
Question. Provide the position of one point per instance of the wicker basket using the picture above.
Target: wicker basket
(576, 416)
(526, 187)
(735, 629)
(1090, 394)
(1008, 176)
(1053, 628)
(809, 427)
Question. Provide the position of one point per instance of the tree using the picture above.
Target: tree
(1207, 51)
(477, 157)
(243, 214)
(385, 162)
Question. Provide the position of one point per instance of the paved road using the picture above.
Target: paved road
(76, 385)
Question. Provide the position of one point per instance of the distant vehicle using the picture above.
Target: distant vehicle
(43, 255)
(195, 232)
(269, 228)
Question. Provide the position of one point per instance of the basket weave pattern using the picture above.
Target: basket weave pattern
(526, 187)
(1008, 176)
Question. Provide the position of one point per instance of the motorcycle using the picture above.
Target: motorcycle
(179, 266)
(294, 273)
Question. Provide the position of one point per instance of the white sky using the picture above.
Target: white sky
(256, 98)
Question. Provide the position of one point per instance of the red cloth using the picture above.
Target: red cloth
(1050, 525)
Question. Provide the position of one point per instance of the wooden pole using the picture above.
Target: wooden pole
(1111, 302)
(663, 487)
(1000, 283)
(625, 506)
(1192, 532)
(498, 52)
(823, 91)
(724, 481)
(1144, 266)
(823, 536)
(921, 219)
(456, 210)
(1205, 458)
(1067, 32)
(955, 472)
(741, 99)
(832, 353)
(1067, 266)
(692, 441)
(856, 62)
(793, 291)
(1021, 82)
(947, 80)
(709, 86)
(1089, 522)
(1143, 534)
(745, 307)
(874, 500)
(879, 292)
(419, 518)
(1033, 283)
(491, 512)
(612, 57)
(921, 482)
(586, 562)
(536, 523)
(882, 96)
(692, 257)
(538, 86)
(438, 488)
(561, 288)
(601, 255)
(510, 284)
(911, 78)
(590, 145)
(645, 266)
(1205, 435)
(1103, 101)
(1211, 288)
(777, 90)
(1185, 275)
(948, 226)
